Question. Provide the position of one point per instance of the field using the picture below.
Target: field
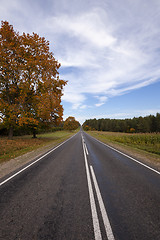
(19, 145)
(9, 149)
(148, 142)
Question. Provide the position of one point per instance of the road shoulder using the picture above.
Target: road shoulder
(150, 159)
(18, 162)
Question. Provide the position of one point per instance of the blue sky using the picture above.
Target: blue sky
(109, 52)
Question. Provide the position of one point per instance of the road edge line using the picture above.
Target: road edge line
(152, 169)
(28, 166)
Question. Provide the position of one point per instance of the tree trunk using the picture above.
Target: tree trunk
(10, 135)
(34, 133)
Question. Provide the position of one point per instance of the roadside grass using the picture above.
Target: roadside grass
(146, 142)
(20, 145)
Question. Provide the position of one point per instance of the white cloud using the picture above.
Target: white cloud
(129, 114)
(120, 115)
(73, 97)
(99, 104)
(89, 27)
(102, 100)
(83, 106)
(112, 46)
(112, 60)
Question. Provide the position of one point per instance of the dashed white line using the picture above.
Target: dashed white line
(86, 149)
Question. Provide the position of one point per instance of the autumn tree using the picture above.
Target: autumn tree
(87, 128)
(31, 80)
(71, 124)
(42, 100)
(10, 75)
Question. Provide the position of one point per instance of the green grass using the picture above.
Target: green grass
(149, 142)
(19, 145)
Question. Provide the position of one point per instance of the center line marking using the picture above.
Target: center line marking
(102, 208)
(95, 219)
(97, 231)
(86, 149)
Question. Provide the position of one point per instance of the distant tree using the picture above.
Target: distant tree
(87, 128)
(71, 124)
(132, 130)
(158, 122)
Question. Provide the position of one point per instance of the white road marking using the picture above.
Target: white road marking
(86, 149)
(82, 137)
(34, 162)
(102, 208)
(84, 144)
(152, 169)
(95, 220)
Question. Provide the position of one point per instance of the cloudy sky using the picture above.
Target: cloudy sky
(109, 52)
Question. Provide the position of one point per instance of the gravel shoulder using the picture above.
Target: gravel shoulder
(13, 164)
(149, 159)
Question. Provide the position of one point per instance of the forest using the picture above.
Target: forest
(147, 124)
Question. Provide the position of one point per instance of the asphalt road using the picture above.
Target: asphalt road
(82, 190)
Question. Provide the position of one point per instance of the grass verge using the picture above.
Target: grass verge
(20, 145)
(144, 146)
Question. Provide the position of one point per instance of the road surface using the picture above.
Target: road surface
(81, 190)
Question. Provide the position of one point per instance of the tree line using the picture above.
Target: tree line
(69, 124)
(30, 88)
(146, 124)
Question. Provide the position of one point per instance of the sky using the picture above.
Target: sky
(109, 52)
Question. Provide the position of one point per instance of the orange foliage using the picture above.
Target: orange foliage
(71, 124)
(30, 88)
